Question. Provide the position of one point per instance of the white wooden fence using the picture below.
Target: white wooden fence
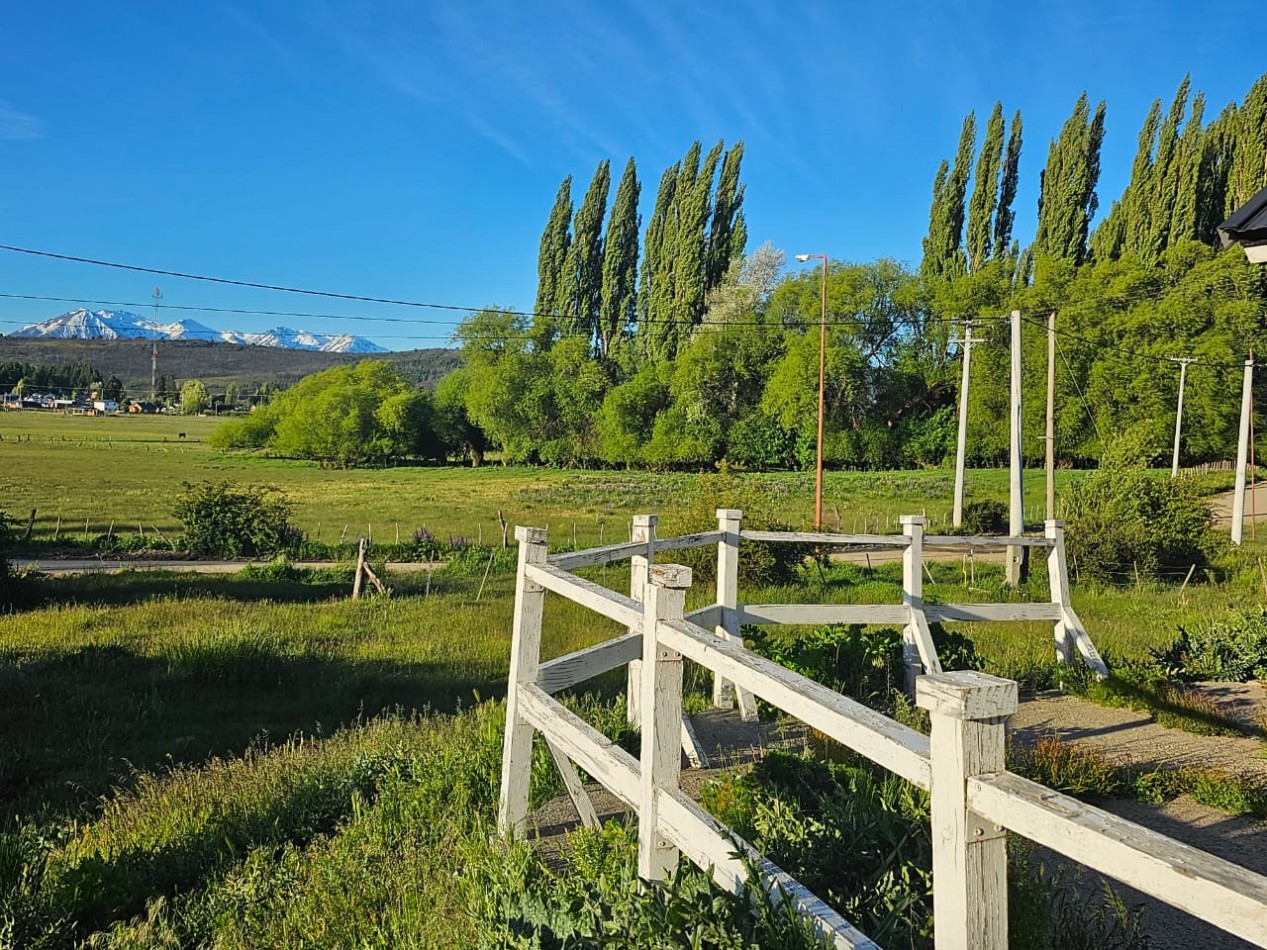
(975, 800)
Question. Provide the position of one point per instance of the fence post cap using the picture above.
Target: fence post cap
(645, 521)
(530, 535)
(672, 576)
(729, 514)
(911, 519)
(1054, 524)
(966, 694)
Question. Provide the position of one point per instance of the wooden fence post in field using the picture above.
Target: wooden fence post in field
(643, 530)
(1058, 576)
(360, 569)
(918, 652)
(525, 657)
(969, 714)
(30, 526)
(724, 692)
(661, 758)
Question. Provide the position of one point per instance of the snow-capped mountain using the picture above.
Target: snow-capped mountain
(84, 324)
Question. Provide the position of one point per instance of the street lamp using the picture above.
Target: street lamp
(822, 385)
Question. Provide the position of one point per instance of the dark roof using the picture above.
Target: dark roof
(1248, 225)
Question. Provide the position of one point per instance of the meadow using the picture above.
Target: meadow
(255, 760)
(87, 474)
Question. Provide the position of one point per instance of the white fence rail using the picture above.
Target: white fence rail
(962, 764)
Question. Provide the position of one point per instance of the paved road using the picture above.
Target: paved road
(1255, 505)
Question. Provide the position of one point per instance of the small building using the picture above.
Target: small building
(136, 406)
(105, 405)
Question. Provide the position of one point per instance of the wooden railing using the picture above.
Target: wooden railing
(962, 764)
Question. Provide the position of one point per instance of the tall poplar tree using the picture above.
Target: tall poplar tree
(985, 188)
(1067, 197)
(1005, 217)
(552, 256)
(726, 234)
(618, 310)
(655, 290)
(943, 248)
(580, 286)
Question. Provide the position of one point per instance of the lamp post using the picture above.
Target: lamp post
(822, 385)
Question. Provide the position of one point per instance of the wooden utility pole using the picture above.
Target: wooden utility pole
(1051, 416)
(1183, 378)
(1016, 510)
(962, 445)
(1242, 454)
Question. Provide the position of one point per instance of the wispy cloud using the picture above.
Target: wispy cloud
(16, 126)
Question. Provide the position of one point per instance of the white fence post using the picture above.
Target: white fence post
(1058, 575)
(724, 692)
(661, 758)
(525, 656)
(969, 713)
(643, 530)
(918, 651)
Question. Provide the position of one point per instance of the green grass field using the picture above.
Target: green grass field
(255, 760)
(88, 474)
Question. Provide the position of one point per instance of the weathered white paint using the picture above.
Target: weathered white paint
(712, 845)
(1058, 578)
(609, 764)
(701, 540)
(566, 671)
(695, 753)
(862, 729)
(807, 614)
(589, 557)
(572, 782)
(918, 652)
(991, 612)
(618, 607)
(952, 542)
(724, 693)
(661, 755)
(969, 712)
(644, 528)
(1242, 453)
(706, 617)
(820, 537)
(525, 651)
(1219, 892)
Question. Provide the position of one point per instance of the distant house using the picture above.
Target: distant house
(1248, 228)
(139, 406)
(105, 405)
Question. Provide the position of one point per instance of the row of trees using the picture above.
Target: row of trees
(588, 282)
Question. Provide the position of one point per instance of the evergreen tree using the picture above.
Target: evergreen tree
(618, 307)
(726, 235)
(1067, 197)
(1185, 215)
(1005, 217)
(655, 290)
(985, 187)
(1247, 173)
(552, 256)
(943, 250)
(1162, 193)
(580, 286)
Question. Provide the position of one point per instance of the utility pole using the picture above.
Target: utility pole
(962, 446)
(1242, 454)
(158, 295)
(1183, 377)
(1051, 416)
(1016, 509)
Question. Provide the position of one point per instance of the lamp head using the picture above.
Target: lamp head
(802, 258)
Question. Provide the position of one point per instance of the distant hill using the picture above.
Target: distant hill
(215, 363)
(85, 324)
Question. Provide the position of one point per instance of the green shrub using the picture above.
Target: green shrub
(1232, 650)
(225, 520)
(985, 517)
(1126, 521)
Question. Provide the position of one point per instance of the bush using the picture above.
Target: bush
(985, 517)
(1125, 520)
(223, 520)
(1233, 650)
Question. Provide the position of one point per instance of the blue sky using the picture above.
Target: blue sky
(412, 149)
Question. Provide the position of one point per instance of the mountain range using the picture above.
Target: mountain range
(85, 324)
